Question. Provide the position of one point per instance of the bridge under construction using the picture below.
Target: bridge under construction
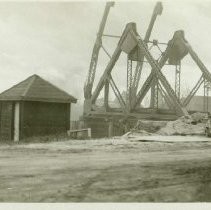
(106, 120)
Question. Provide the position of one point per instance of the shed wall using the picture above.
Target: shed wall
(43, 118)
(6, 121)
(99, 127)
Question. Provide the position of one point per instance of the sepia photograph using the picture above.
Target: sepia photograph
(105, 102)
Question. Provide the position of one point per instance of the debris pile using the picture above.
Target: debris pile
(193, 125)
(149, 126)
(199, 117)
(185, 125)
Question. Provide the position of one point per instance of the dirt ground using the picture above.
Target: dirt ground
(106, 170)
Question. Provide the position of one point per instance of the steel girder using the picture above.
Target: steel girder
(130, 35)
(130, 41)
(157, 70)
(193, 91)
(157, 11)
(95, 52)
(109, 67)
(206, 75)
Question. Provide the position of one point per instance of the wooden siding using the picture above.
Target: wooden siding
(99, 127)
(42, 118)
(6, 121)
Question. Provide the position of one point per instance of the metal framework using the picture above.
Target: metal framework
(138, 51)
(207, 89)
(129, 83)
(177, 80)
(95, 53)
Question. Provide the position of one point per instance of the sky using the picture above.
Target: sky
(55, 39)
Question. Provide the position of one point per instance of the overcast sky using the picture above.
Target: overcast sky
(55, 39)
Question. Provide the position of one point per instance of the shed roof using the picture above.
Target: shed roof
(35, 88)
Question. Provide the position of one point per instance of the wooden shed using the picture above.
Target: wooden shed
(34, 107)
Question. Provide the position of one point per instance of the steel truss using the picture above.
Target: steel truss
(138, 52)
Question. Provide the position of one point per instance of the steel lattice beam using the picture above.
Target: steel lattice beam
(111, 64)
(149, 81)
(136, 48)
(177, 80)
(95, 53)
(137, 76)
(199, 63)
(156, 68)
(165, 96)
(157, 11)
(107, 71)
(156, 93)
(117, 93)
(207, 88)
(129, 83)
(193, 91)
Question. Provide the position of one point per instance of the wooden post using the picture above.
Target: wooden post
(89, 133)
(69, 117)
(110, 128)
(17, 122)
